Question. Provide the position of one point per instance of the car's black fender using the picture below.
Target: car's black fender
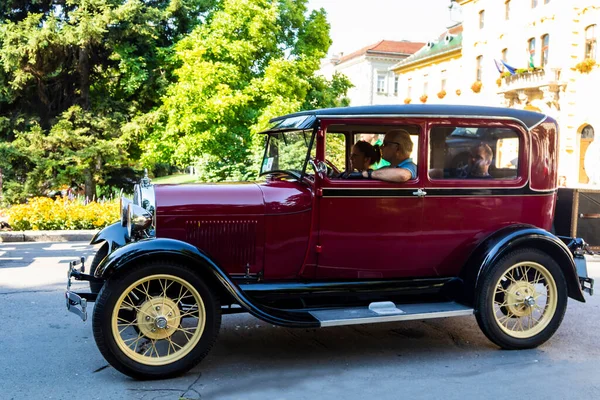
(510, 238)
(114, 235)
(177, 251)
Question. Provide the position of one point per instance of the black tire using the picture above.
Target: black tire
(102, 252)
(118, 351)
(498, 307)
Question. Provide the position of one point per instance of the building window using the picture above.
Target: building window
(481, 19)
(443, 83)
(409, 88)
(479, 64)
(425, 83)
(545, 45)
(590, 42)
(546, 1)
(507, 10)
(505, 55)
(531, 48)
(533, 3)
(380, 83)
(396, 78)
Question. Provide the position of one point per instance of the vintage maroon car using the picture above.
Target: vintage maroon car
(306, 248)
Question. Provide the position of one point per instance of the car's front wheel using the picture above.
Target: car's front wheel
(155, 321)
(522, 300)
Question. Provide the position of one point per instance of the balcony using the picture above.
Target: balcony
(531, 80)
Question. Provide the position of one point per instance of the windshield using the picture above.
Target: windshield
(287, 151)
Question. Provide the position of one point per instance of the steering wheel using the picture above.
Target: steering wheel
(332, 169)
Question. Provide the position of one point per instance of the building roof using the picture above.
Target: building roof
(527, 118)
(385, 47)
(447, 42)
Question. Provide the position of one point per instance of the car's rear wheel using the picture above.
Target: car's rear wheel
(100, 254)
(156, 321)
(522, 300)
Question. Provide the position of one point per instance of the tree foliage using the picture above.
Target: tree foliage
(89, 88)
(251, 61)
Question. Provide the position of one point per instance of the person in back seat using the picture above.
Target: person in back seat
(479, 162)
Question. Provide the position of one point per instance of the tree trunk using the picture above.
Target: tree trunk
(84, 77)
(90, 185)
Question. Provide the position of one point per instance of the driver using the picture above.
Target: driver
(364, 156)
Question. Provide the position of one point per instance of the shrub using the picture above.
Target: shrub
(407, 100)
(476, 86)
(458, 92)
(423, 98)
(499, 82)
(441, 94)
(43, 213)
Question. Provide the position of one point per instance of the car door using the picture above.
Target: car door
(368, 228)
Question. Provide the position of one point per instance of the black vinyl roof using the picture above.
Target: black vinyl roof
(527, 118)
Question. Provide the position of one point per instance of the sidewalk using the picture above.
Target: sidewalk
(47, 236)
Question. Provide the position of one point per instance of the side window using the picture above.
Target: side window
(335, 149)
(478, 153)
(365, 145)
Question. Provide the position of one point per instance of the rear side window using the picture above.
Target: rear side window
(473, 153)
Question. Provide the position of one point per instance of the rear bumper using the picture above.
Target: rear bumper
(587, 283)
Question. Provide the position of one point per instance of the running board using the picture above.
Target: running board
(387, 311)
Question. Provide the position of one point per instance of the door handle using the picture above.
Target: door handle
(420, 193)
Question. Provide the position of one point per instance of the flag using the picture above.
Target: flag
(509, 68)
(499, 66)
(531, 65)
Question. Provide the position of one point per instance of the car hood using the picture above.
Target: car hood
(209, 199)
(272, 196)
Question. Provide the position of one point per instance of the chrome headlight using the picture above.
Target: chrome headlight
(138, 219)
(123, 204)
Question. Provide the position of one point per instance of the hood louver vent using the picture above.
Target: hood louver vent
(231, 243)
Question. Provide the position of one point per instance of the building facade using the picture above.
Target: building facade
(369, 71)
(552, 46)
(432, 74)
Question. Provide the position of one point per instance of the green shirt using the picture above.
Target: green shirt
(382, 163)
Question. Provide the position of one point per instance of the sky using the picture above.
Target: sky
(358, 23)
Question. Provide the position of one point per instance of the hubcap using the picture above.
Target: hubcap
(154, 324)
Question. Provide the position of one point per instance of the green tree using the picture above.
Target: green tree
(250, 61)
(76, 70)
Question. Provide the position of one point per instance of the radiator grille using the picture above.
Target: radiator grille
(232, 243)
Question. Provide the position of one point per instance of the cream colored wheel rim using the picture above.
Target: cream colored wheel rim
(158, 319)
(525, 300)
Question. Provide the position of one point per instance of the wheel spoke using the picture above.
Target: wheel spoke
(186, 332)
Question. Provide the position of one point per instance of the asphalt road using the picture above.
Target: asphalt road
(49, 353)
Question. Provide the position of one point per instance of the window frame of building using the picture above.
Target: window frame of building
(381, 83)
(507, 10)
(534, 3)
(505, 55)
(409, 88)
(546, 1)
(443, 76)
(425, 84)
(396, 84)
(481, 19)
(531, 47)
(545, 47)
(591, 43)
(479, 68)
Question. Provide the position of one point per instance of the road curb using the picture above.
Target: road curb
(47, 236)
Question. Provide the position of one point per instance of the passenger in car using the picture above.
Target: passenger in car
(364, 156)
(479, 162)
(396, 149)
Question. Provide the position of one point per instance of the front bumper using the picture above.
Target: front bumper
(77, 301)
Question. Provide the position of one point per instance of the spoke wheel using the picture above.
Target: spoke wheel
(528, 298)
(158, 319)
(522, 299)
(155, 320)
